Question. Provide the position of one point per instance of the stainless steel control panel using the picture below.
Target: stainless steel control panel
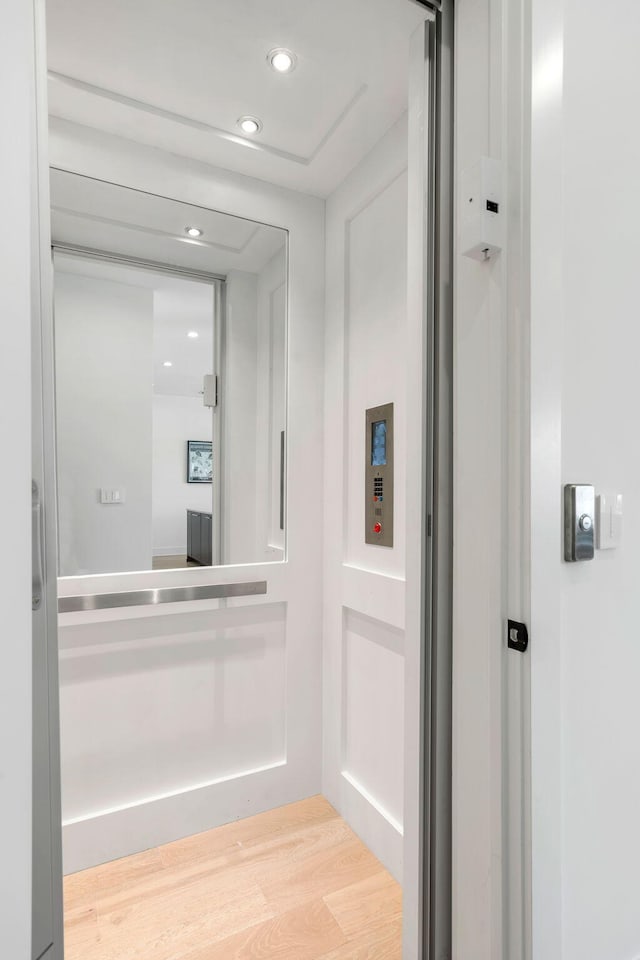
(378, 496)
(579, 522)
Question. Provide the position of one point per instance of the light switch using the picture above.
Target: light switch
(108, 495)
(609, 521)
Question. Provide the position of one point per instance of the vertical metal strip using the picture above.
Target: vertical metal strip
(45, 665)
(430, 921)
(282, 472)
(217, 432)
(437, 942)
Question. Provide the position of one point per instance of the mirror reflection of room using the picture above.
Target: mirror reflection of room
(170, 331)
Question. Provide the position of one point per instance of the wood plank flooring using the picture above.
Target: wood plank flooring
(291, 884)
(172, 563)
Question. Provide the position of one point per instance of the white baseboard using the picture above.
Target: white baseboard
(170, 551)
(110, 834)
(375, 826)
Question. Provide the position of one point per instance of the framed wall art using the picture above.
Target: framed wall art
(199, 461)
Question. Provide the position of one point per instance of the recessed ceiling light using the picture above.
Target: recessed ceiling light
(282, 60)
(167, 363)
(193, 334)
(193, 231)
(249, 125)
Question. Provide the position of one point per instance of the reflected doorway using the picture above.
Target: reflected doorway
(171, 381)
(135, 358)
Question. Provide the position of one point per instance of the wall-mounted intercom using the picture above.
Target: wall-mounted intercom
(378, 494)
(481, 210)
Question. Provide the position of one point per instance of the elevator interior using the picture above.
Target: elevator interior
(229, 190)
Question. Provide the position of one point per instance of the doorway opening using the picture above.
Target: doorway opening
(247, 226)
(136, 346)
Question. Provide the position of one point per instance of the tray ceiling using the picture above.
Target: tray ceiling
(178, 75)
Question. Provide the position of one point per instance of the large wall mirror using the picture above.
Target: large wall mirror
(170, 369)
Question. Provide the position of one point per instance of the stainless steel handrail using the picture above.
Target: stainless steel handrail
(144, 598)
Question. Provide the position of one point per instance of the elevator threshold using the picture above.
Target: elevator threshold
(294, 883)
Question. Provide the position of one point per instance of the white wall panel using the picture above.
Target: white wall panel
(295, 585)
(167, 706)
(18, 301)
(188, 696)
(271, 407)
(239, 423)
(376, 307)
(364, 584)
(372, 706)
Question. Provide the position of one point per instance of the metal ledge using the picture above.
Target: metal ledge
(145, 598)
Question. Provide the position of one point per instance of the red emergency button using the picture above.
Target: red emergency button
(377, 527)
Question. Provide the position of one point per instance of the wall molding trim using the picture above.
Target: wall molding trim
(153, 110)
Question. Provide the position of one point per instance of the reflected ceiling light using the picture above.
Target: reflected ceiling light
(193, 231)
(249, 125)
(282, 60)
(193, 334)
(167, 363)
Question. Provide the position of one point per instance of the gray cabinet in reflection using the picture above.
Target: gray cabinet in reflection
(199, 537)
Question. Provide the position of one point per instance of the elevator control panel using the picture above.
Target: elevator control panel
(579, 522)
(378, 498)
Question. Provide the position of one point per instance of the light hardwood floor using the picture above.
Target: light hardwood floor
(291, 884)
(172, 563)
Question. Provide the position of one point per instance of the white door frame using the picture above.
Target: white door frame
(481, 598)
(18, 300)
(491, 710)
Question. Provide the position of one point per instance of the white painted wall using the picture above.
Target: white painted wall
(176, 420)
(586, 709)
(239, 387)
(174, 704)
(254, 400)
(366, 281)
(104, 344)
(271, 407)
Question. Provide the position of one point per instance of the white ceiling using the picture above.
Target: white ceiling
(179, 306)
(111, 218)
(177, 75)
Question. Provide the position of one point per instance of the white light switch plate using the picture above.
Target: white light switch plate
(609, 521)
(109, 495)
